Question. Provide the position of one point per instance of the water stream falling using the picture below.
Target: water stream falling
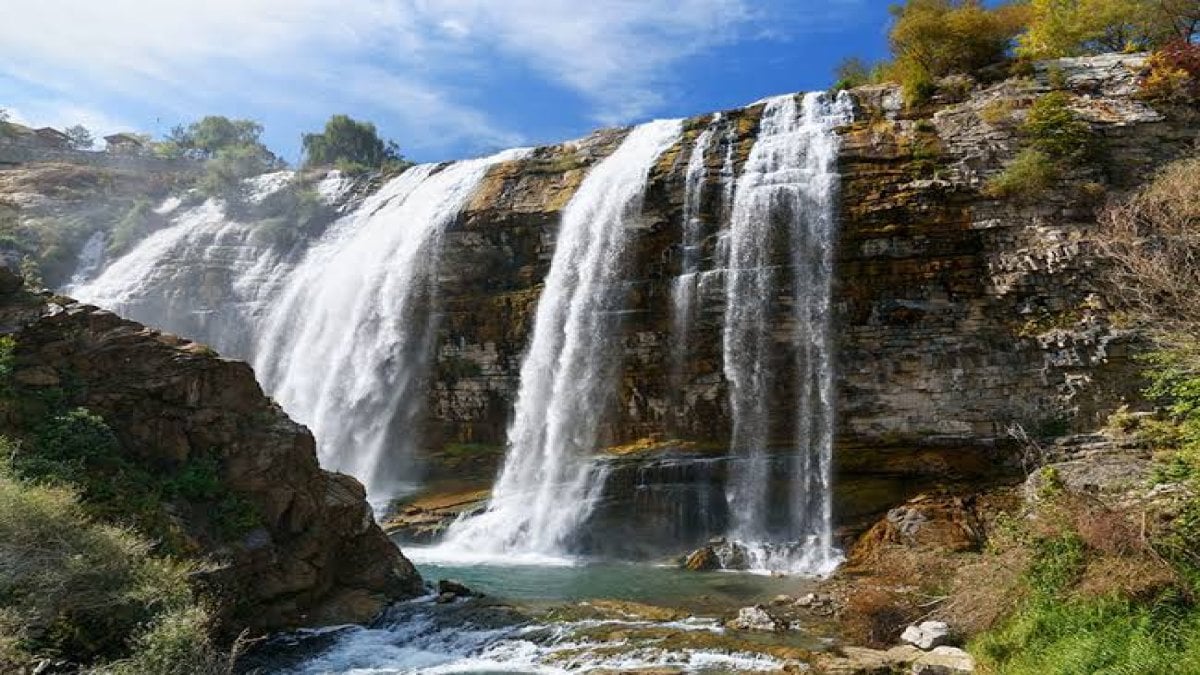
(550, 478)
(171, 278)
(684, 286)
(346, 347)
(783, 202)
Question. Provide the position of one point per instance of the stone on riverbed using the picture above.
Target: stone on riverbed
(927, 635)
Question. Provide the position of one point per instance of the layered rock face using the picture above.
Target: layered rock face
(959, 317)
(316, 556)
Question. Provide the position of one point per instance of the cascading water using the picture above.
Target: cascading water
(684, 286)
(783, 201)
(550, 478)
(165, 279)
(346, 347)
(91, 259)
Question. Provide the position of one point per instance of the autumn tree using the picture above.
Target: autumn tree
(934, 38)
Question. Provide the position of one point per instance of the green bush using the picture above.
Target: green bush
(73, 589)
(1029, 175)
(346, 142)
(1053, 128)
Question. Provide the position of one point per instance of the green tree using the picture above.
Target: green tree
(1076, 27)
(349, 142)
(934, 38)
(79, 137)
(206, 138)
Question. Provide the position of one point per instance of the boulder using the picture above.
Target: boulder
(927, 635)
(454, 588)
(757, 619)
(944, 661)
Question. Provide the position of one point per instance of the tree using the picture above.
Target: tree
(943, 37)
(1077, 27)
(931, 39)
(206, 138)
(853, 72)
(350, 142)
(79, 137)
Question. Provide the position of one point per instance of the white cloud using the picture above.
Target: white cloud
(404, 56)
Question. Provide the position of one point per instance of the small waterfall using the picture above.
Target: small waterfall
(91, 259)
(550, 479)
(783, 202)
(684, 286)
(346, 347)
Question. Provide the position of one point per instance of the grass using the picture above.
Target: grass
(1030, 174)
(92, 594)
(1101, 592)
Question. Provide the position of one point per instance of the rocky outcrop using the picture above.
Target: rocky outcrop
(313, 556)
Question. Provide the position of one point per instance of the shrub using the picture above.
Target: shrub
(74, 589)
(176, 643)
(1174, 74)
(1152, 240)
(876, 616)
(350, 141)
(1053, 127)
(997, 112)
(1029, 175)
(132, 228)
(853, 72)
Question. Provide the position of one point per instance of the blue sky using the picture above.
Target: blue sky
(444, 78)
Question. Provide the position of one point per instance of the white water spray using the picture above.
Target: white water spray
(784, 201)
(551, 480)
(345, 349)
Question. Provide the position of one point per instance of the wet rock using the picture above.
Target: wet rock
(446, 598)
(454, 588)
(703, 560)
(927, 635)
(781, 600)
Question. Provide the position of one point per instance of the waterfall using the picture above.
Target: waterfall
(684, 286)
(91, 259)
(550, 479)
(346, 347)
(783, 202)
(204, 276)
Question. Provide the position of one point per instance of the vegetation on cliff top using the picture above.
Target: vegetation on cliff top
(933, 39)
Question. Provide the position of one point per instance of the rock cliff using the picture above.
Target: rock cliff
(959, 317)
(311, 553)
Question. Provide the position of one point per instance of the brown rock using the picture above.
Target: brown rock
(318, 557)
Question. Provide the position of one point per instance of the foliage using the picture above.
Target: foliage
(176, 643)
(77, 448)
(80, 138)
(1152, 240)
(290, 215)
(206, 138)
(1053, 128)
(854, 72)
(934, 38)
(1077, 27)
(1028, 176)
(223, 173)
(351, 145)
(73, 589)
(1174, 74)
(31, 272)
(131, 228)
